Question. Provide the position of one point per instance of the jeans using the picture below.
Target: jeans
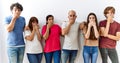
(112, 53)
(56, 55)
(15, 54)
(71, 54)
(34, 58)
(90, 52)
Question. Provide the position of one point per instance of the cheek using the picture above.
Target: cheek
(33, 24)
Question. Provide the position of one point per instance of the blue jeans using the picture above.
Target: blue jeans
(71, 54)
(112, 53)
(15, 54)
(34, 58)
(90, 52)
(56, 55)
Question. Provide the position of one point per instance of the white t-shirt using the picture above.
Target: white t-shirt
(71, 39)
(34, 46)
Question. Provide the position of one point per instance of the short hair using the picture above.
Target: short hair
(72, 11)
(107, 9)
(18, 5)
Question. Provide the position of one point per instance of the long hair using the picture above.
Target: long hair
(32, 19)
(92, 33)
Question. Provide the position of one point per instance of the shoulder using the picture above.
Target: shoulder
(56, 25)
(76, 24)
(103, 21)
(116, 22)
(21, 17)
(44, 26)
(83, 25)
(8, 17)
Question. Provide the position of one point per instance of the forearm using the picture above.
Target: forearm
(31, 36)
(113, 37)
(45, 36)
(10, 26)
(96, 32)
(106, 28)
(66, 30)
(38, 35)
(87, 33)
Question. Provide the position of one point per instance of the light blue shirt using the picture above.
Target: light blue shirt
(15, 37)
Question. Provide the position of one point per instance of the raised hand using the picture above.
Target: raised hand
(36, 27)
(109, 17)
(49, 24)
(90, 24)
(16, 15)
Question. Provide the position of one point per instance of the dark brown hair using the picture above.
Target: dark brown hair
(47, 17)
(32, 19)
(107, 9)
(19, 6)
(92, 33)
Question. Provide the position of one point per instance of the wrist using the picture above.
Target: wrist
(108, 35)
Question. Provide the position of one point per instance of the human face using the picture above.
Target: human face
(34, 23)
(91, 18)
(17, 11)
(72, 16)
(50, 20)
(110, 14)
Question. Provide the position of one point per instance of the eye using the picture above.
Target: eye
(72, 15)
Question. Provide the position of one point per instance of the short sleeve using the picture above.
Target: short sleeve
(64, 24)
(43, 30)
(102, 24)
(26, 33)
(7, 20)
(118, 29)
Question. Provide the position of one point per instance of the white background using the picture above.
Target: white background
(58, 8)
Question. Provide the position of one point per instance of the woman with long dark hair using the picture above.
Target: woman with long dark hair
(91, 35)
(33, 37)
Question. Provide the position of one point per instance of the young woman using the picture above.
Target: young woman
(91, 34)
(51, 33)
(33, 46)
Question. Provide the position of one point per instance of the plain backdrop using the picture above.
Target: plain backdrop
(58, 8)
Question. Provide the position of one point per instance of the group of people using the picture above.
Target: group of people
(101, 37)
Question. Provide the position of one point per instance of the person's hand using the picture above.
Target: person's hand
(49, 24)
(70, 23)
(27, 28)
(36, 27)
(16, 15)
(109, 18)
(93, 23)
(90, 24)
